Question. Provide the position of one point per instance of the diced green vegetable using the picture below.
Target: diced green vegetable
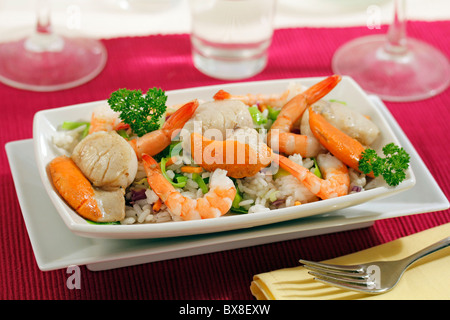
(257, 116)
(72, 125)
(273, 113)
(201, 183)
(177, 184)
(239, 210)
(237, 199)
(123, 134)
(180, 179)
(338, 101)
(273, 196)
(280, 173)
(175, 148)
(162, 120)
(235, 204)
(317, 169)
(102, 223)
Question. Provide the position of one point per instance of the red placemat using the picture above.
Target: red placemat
(165, 61)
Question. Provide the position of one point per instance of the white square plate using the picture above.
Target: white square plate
(56, 247)
(46, 123)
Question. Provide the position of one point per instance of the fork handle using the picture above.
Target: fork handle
(426, 251)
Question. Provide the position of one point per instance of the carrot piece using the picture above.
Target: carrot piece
(262, 107)
(122, 126)
(297, 203)
(222, 95)
(190, 169)
(157, 205)
(171, 161)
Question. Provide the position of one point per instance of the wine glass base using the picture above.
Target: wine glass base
(417, 73)
(74, 61)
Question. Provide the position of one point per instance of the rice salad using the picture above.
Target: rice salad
(146, 181)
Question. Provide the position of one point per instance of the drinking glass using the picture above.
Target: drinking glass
(45, 61)
(229, 38)
(148, 5)
(393, 66)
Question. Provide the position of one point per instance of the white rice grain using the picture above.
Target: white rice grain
(191, 184)
(152, 197)
(246, 202)
(143, 215)
(170, 174)
(129, 220)
(137, 208)
(257, 208)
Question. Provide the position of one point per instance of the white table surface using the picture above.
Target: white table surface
(106, 18)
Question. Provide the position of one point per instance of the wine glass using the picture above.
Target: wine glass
(45, 61)
(393, 66)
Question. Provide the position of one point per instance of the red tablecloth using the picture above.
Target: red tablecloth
(165, 61)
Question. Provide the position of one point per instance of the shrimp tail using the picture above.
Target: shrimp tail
(156, 141)
(336, 180)
(280, 138)
(321, 89)
(222, 95)
(295, 107)
(177, 120)
(149, 160)
(155, 178)
(341, 145)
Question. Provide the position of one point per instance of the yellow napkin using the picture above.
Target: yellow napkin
(428, 278)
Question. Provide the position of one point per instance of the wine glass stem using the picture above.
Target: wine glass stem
(396, 35)
(44, 39)
(43, 17)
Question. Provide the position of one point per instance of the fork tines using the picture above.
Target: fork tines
(347, 277)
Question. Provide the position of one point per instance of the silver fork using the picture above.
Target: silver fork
(374, 277)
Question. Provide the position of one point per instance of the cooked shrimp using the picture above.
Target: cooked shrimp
(341, 145)
(156, 141)
(89, 202)
(215, 203)
(280, 138)
(106, 159)
(103, 118)
(335, 184)
(221, 135)
(274, 100)
(239, 156)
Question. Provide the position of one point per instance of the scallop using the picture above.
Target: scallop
(349, 121)
(218, 117)
(107, 160)
(111, 204)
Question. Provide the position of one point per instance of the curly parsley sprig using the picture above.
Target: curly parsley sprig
(142, 113)
(392, 167)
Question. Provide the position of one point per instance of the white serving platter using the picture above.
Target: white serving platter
(56, 247)
(46, 123)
